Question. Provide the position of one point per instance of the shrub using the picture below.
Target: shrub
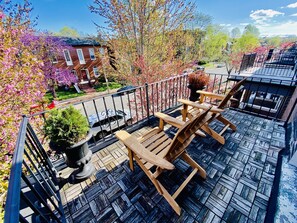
(65, 127)
(198, 79)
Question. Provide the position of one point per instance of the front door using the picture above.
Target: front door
(85, 76)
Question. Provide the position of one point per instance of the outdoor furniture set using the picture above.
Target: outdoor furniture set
(155, 152)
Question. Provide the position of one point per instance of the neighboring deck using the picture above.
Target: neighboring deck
(237, 189)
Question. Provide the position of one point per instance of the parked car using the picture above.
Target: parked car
(125, 90)
(198, 67)
(109, 121)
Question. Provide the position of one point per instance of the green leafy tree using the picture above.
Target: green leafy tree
(246, 43)
(201, 21)
(234, 53)
(235, 32)
(273, 41)
(251, 29)
(67, 31)
(214, 43)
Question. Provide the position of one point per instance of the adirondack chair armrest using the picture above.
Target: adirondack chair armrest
(170, 120)
(200, 106)
(211, 95)
(132, 143)
(234, 99)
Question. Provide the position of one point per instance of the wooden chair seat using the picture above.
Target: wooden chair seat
(155, 152)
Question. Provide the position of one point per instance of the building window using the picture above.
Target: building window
(54, 59)
(67, 57)
(80, 56)
(92, 53)
(96, 71)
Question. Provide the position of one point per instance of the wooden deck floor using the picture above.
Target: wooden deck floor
(237, 189)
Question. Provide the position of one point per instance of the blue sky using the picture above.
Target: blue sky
(272, 17)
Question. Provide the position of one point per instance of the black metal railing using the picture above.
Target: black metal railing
(33, 192)
(279, 64)
(264, 97)
(33, 183)
(106, 114)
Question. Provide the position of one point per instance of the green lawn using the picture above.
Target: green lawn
(102, 86)
(62, 94)
(209, 65)
(71, 93)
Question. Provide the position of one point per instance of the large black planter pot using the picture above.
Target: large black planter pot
(79, 156)
(194, 96)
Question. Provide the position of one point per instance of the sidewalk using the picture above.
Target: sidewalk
(83, 98)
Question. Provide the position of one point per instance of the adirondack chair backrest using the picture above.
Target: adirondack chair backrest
(185, 135)
(233, 90)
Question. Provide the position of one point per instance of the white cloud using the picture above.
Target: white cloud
(292, 6)
(227, 25)
(286, 28)
(243, 24)
(295, 14)
(262, 15)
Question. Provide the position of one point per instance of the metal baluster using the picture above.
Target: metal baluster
(136, 109)
(161, 95)
(129, 105)
(85, 111)
(42, 159)
(107, 115)
(153, 98)
(39, 197)
(51, 184)
(220, 92)
(157, 89)
(52, 193)
(33, 207)
(98, 117)
(114, 107)
(42, 151)
(147, 102)
(141, 101)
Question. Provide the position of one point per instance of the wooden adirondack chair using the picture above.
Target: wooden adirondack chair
(192, 109)
(156, 149)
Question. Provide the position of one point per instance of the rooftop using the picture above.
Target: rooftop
(80, 41)
(238, 188)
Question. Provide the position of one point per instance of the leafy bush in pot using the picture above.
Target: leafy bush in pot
(66, 127)
(198, 80)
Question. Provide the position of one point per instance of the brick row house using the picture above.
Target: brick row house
(83, 59)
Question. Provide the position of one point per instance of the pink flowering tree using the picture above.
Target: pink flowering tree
(47, 48)
(25, 70)
(21, 79)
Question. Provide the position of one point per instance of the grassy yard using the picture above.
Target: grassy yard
(63, 94)
(102, 86)
(71, 93)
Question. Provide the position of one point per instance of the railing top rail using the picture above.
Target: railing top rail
(14, 187)
(106, 95)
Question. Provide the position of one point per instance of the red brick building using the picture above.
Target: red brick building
(83, 59)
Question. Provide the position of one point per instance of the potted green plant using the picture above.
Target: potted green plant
(68, 132)
(197, 81)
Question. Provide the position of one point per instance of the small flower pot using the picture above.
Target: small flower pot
(194, 96)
